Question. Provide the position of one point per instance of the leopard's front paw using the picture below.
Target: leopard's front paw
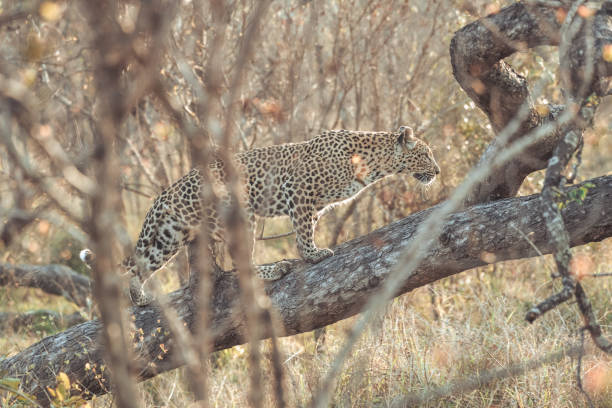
(317, 254)
(282, 268)
(273, 272)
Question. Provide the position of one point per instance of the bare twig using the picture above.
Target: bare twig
(55, 194)
(590, 320)
(561, 157)
(275, 236)
(555, 225)
(579, 371)
(147, 171)
(115, 51)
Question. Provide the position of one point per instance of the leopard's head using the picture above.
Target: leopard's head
(413, 156)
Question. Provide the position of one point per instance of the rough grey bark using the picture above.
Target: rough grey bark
(313, 296)
(477, 52)
(599, 31)
(55, 279)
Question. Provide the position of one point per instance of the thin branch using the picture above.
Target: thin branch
(554, 223)
(276, 236)
(551, 198)
(600, 275)
(147, 172)
(579, 371)
(590, 320)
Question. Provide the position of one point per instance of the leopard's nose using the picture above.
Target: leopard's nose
(437, 170)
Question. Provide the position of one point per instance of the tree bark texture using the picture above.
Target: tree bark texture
(313, 296)
(477, 52)
(54, 279)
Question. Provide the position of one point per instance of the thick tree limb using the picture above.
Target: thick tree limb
(598, 30)
(54, 279)
(477, 52)
(313, 296)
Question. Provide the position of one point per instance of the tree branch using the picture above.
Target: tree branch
(313, 296)
(477, 52)
(54, 279)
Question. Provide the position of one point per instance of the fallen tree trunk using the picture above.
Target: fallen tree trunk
(313, 296)
(54, 279)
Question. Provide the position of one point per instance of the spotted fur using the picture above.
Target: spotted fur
(294, 179)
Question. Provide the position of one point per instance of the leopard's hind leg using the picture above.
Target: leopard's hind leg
(264, 272)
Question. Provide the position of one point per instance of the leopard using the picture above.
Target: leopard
(299, 180)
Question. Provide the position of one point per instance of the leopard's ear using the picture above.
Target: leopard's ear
(406, 137)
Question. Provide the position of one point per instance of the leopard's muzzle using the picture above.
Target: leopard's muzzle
(425, 178)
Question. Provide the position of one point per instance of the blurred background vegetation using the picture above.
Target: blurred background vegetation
(367, 65)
